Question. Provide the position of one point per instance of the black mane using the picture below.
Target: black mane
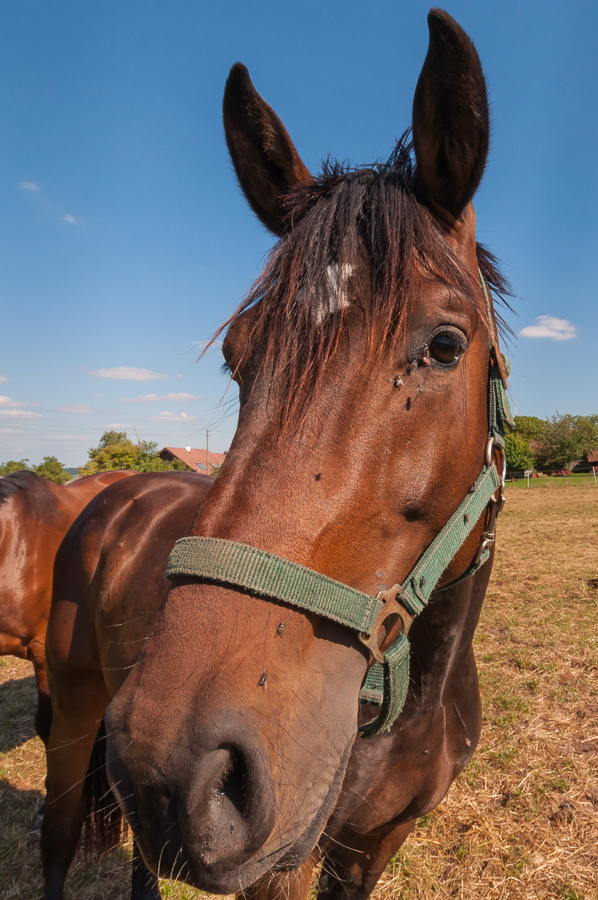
(16, 481)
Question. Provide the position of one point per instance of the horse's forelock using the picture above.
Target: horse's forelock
(301, 297)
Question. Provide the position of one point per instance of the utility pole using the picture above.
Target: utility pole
(207, 452)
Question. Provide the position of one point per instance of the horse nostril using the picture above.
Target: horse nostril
(234, 780)
(225, 813)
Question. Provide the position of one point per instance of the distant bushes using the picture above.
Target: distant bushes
(50, 468)
(553, 443)
(116, 451)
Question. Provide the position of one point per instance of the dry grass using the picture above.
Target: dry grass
(22, 773)
(522, 821)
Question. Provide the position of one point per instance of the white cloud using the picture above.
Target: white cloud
(28, 186)
(3, 378)
(18, 414)
(552, 328)
(75, 408)
(152, 398)
(9, 403)
(128, 373)
(166, 416)
(70, 219)
(12, 431)
(67, 437)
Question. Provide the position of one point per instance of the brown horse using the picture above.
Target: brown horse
(35, 514)
(112, 566)
(365, 357)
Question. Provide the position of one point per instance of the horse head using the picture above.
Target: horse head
(362, 356)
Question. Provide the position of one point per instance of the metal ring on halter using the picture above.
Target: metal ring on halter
(489, 449)
(488, 538)
(392, 607)
(501, 500)
(503, 465)
(502, 472)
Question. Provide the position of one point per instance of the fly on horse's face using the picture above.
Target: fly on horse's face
(363, 358)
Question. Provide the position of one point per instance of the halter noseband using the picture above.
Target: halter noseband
(276, 578)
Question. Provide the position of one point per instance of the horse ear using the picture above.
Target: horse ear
(451, 122)
(264, 157)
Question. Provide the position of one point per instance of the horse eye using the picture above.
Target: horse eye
(445, 348)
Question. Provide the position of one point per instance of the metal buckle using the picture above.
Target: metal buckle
(392, 607)
(499, 501)
(487, 539)
(502, 472)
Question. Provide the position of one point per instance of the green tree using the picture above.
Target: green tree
(108, 439)
(116, 451)
(519, 454)
(529, 427)
(14, 465)
(53, 470)
(566, 438)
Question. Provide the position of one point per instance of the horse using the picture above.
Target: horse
(357, 505)
(109, 564)
(35, 514)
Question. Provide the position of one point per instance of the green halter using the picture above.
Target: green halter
(268, 575)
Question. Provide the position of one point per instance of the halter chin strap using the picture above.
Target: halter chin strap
(373, 618)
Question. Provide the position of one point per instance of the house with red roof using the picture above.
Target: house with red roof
(202, 461)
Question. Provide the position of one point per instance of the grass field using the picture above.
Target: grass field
(522, 820)
(565, 481)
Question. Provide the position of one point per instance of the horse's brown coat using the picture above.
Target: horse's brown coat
(35, 514)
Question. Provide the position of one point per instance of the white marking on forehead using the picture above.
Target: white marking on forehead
(337, 279)
(334, 295)
(337, 285)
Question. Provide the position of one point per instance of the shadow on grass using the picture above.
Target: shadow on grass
(18, 808)
(18, 702)
(20, 860)
(20, 865)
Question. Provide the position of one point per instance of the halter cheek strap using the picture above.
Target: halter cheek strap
(279, 579)
(268, 575)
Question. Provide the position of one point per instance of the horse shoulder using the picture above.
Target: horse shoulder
(110, 569)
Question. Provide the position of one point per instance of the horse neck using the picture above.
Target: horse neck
(33, 517)
(441, 638)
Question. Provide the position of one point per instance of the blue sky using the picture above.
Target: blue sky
(125, 241)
